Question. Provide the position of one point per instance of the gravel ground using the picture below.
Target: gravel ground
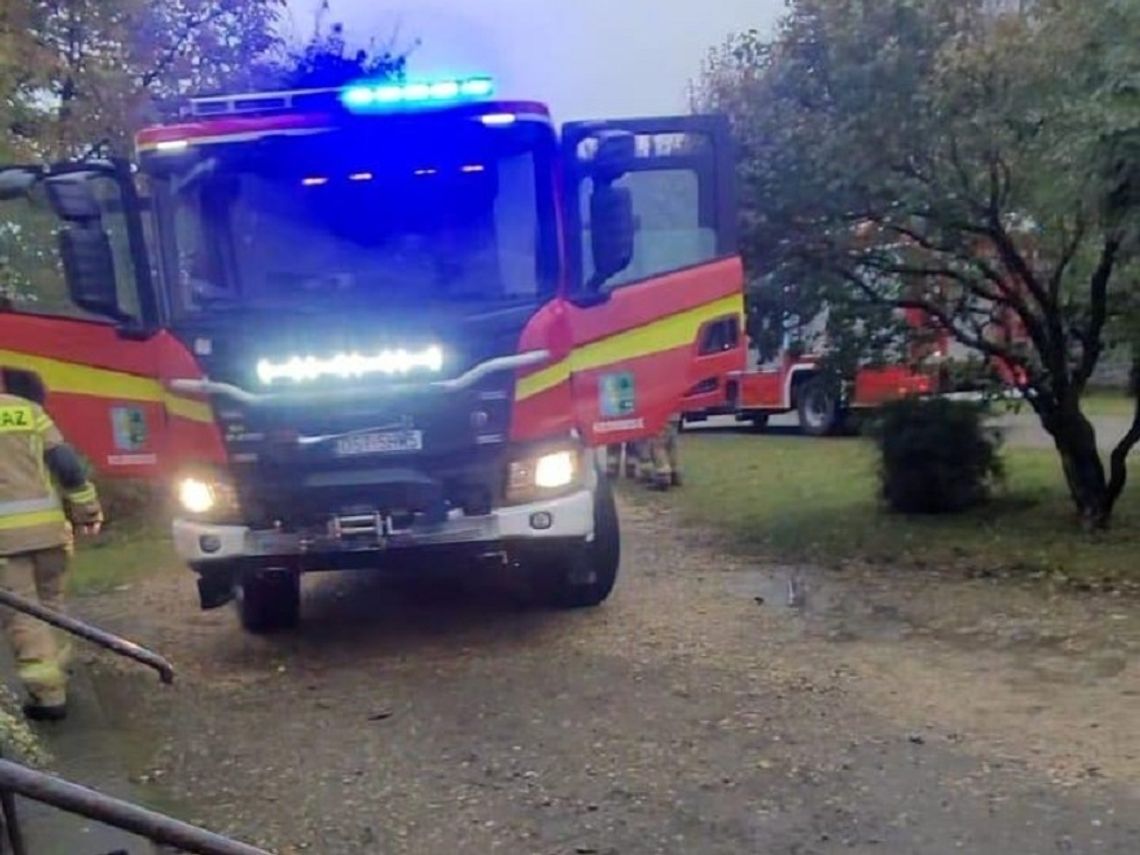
(695, 712)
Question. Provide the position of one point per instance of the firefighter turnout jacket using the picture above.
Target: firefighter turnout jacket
(33, 459)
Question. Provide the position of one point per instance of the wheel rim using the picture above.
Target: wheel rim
(817, 411)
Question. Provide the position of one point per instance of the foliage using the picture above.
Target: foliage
(81, 75)
(133, 503)
(937, 456)
(977, 163)
(326, 60)
(17, 739)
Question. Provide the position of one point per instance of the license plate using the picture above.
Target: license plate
(379, 442)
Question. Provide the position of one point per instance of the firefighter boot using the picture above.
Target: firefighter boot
(613, 462)
(633, 458)
(659, 475)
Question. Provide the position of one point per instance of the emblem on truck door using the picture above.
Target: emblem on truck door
(617, 395)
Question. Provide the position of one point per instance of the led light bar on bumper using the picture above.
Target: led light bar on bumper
(346, 366)
(369, 97)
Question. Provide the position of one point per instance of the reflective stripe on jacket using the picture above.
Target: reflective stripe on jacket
(31, 513)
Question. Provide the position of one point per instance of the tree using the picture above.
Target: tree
(325, 59)
(977, 162)
(82, 74)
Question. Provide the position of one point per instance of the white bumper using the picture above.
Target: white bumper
(570, 516)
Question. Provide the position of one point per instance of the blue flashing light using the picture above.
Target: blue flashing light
(365, 97)
(477, 87)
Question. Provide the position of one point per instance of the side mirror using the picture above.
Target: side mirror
(16, 183)
(615, 153)
(611, 231)
(89, 266)
(72, 199)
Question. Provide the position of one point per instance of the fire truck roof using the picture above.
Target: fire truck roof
(251, 116)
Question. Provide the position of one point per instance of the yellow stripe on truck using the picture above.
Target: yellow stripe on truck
(665, 334)
(73, 378)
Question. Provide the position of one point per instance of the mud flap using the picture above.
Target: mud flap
(216, 588)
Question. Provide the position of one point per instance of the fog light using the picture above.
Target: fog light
(541, 520)
(209, 543)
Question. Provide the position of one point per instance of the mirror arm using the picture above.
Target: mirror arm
(590, 298)
(130, 329)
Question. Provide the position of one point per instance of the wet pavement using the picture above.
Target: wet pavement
(87, 749)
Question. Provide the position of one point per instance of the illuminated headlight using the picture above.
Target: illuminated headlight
(531, 478)
(350, 365)
(208, 495)
(554, 470)
(196, 496)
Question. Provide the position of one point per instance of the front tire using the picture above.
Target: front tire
(269, 601)
(583, 576)
(818, 407)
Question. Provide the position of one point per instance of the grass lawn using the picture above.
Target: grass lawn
(119, 557)
(1105, 402)
(1108, 403)
(796, 498)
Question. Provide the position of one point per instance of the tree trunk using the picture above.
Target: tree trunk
(1085, 476)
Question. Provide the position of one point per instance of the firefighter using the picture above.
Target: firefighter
(35, 535)
(661, 464)
(633, 457)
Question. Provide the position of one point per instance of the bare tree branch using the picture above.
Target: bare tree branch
(1092, 345)
(1119, 457)
(1069, 249)
(972, 339)
(190, 24)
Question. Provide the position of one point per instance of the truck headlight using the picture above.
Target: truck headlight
(552, 471)
(533, 477)
(202, 494)
(196, 496)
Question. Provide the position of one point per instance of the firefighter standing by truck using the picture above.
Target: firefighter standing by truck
(660, 459)
(35, 537)
(656, 461)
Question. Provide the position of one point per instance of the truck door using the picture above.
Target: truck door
(656, 284)
(79, 316)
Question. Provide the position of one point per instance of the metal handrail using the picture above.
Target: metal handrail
(110, 641)
(74, 798)
(157, 827)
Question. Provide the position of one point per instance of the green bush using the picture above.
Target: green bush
(132, 503)
(936, 456)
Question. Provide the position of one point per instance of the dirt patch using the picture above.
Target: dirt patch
(696, 711)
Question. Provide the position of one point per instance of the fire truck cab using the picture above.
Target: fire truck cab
(379, 327)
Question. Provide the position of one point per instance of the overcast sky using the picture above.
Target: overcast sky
(586, 58)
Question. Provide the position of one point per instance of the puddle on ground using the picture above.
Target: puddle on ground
(1065, 639)
(825, 607)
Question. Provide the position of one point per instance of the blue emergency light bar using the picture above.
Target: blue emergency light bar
(372, 97)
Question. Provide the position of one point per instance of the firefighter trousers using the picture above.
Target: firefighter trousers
(661, 464)
(634, 454)
(41, 654)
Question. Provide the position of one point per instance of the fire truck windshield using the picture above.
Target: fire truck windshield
(342, 219)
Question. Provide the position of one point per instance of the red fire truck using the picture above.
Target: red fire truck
(382, 326)
(789, 381)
